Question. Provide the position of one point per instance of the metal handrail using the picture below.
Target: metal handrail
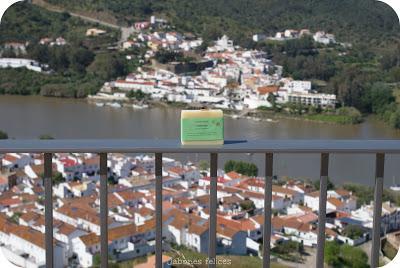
(159, 147)
(174, 146)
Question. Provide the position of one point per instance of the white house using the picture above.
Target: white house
(25, 241)
(20, 63)
(13, 160)
(324, 38)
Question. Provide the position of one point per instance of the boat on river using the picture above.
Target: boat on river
(140, 106)
(114, 105)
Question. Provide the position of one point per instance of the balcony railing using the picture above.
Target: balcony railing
(159, 147)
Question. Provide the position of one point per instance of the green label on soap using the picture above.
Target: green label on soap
(202, 129)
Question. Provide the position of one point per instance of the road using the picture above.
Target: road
(125, 31)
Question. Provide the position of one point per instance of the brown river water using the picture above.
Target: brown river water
(27, 117)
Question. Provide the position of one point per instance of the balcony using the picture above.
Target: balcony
(159, 147)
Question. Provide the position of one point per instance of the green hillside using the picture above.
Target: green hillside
(350, 20)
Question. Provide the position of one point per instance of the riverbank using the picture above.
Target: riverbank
(260, 115)
(270, 116)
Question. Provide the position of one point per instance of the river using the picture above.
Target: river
(27, 117)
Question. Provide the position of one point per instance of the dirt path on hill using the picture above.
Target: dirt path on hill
(101, 18)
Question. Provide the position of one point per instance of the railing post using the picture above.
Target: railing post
(159, 211)
(269, 163)
(376, 231)
(48, 210)
(103, 211)
(212, 248)
(322, 209)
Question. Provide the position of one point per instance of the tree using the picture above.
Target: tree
(137, 95)
(165, 56)
(229, 166)
(112, 180)
(364, 193)
(96, 260)
(330, 185)
(81, 58)
(272, 99)
(353, 231)
(59, 60)
(204, 165)
(241, 167)
(247, 205)
(350, 115)
(354, 257)
(39, 53)
(15, 217)
(107, 66)
(58, 178)
(377, 97)
(46, 137)
(3, 135)
(332, 254)
(345, 256)
(395, 119)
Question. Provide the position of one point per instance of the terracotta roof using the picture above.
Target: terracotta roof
(296, 224)
(251, 194)
(75, 212)
(147, 226)
(258, 218)
(336, 202)
(10, 201)
(286, 191)
(145, 211)
(233, 175)
(343, 192)
(90, 239)
(3, 180)
(197, 229)
(130, 195)
(226, 231)
(308, 217)
(330, 232)
(29, 216)
(113, 201)
(243, 224)
(29, 234)
(233, 199)
(177, 170)
(66, 229)
(313, 194)
(267, 89)
(92, 161)
(39, 169)
(122, 231)
(204, 199)
(179, 223)
(5, 224)
(10, 158)
(255, 182)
